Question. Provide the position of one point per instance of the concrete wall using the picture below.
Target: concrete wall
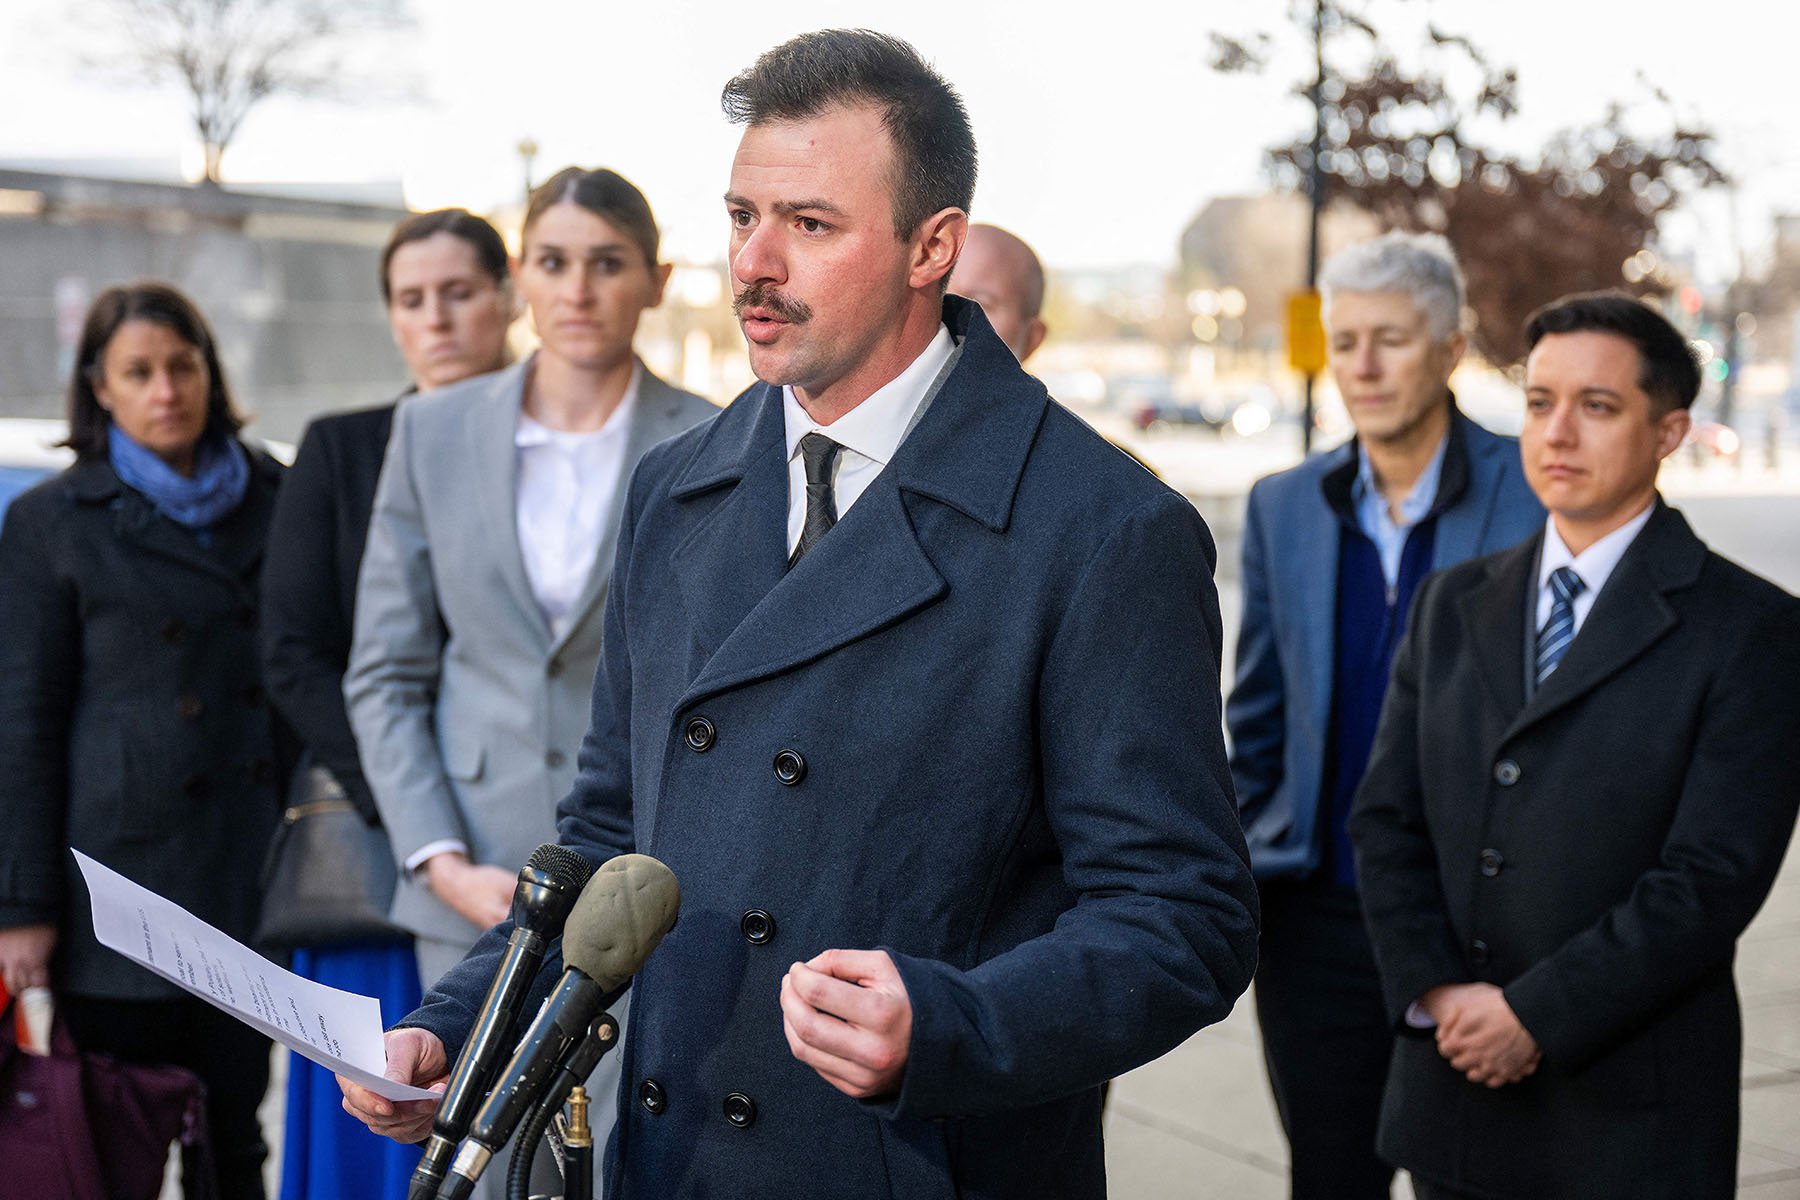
(289, 286)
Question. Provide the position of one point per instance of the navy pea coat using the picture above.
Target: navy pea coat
(978, 726)
(133, 724)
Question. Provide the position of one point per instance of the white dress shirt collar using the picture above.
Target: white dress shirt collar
(874, 428)
(1595, 565)
(870, 433)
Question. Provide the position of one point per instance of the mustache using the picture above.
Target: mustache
(761, 295)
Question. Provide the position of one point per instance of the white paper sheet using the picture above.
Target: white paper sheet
(341, 1031)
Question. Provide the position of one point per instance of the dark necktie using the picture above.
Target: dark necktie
(1559, 630)
(818, 453)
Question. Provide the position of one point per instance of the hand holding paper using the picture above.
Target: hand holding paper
(339, 1030)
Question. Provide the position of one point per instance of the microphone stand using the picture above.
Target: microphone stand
(578, 1144)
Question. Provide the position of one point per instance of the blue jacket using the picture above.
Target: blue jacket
(1279, 712)
(978, 726)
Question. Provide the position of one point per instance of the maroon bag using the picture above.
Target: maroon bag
(87, 1127)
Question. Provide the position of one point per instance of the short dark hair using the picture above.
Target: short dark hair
(1667, 370)
(934, 148)
(609, 196)
(483, 239)
(160, 304)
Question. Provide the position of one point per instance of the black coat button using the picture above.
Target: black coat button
(260, 770)
(554, 759)
(190, 707)
(758, 927)
(650, 1095)
(173, 630)
(1478, 952)
(740, 1110)
(699, 735)
(252, 695)
(790, 768)
(1506, 772)
(246, 615)
(194, 786)
(1491, 862)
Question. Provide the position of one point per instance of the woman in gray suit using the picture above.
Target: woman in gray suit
(478, 603)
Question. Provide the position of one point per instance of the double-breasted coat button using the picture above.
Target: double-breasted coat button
(757, 926)
(1506, 772)
(650, 1095)
(699, 735)
(554, 759)
(190, 707)
(173, 630)
(1491, 862)
(1478, 952)
(740, 1110)
(790, 768)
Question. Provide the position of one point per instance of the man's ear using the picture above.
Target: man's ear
(1671, 430)
(937, 245)
(1034, 337)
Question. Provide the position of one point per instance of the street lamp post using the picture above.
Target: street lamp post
(1316, 195)
(528, 149)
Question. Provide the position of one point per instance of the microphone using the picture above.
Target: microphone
(549, 886)
(625, 910)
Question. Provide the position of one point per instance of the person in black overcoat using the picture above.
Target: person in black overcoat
(1581, 790)
(133, 725)
(448, 290)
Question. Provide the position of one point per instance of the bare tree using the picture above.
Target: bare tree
(231, 55)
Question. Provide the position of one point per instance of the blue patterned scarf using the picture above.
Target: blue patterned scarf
(221, 477)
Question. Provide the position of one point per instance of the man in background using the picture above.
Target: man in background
(998, 271)
(1333, 550)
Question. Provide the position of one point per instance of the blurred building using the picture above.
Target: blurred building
(288, 281)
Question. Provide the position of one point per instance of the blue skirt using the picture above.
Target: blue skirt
(327, 1153)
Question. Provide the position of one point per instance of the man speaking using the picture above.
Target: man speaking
(913, 681)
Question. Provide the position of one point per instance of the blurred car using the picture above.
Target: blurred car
(29, 453)
(1165, 414)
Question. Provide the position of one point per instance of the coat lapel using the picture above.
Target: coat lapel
(1463, 524)
(491, 431)
(968, 451)
(1317, 533)
(1631, 614)
(658, 416)
(238, 540)
(1493, 621)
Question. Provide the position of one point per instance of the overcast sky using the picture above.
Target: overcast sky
(1101, 129)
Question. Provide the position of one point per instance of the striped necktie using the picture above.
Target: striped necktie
(1559, 630)
(818, 453)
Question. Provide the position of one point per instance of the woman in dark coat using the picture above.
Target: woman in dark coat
(132, 720)
(449, 299)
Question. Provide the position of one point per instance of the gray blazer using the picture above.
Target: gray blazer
(467, 711)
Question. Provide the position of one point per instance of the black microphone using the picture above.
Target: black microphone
(625, 910)
(548, 888)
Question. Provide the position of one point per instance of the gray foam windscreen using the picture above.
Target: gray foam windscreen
(624, 911)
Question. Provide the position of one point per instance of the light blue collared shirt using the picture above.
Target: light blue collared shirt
(1373, 518)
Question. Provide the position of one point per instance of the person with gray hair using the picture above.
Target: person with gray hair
(1333, 550)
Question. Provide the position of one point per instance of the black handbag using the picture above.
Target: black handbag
(330, 875)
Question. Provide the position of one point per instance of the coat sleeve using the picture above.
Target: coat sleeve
(40, 670)
(1256, 711)
(1161, 939)
(305, 632)
(396, 661)
(1682, 919)
(1415, 943)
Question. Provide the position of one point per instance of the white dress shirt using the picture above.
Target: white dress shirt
(868, 433)
(567, 483)
(1594, 565)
